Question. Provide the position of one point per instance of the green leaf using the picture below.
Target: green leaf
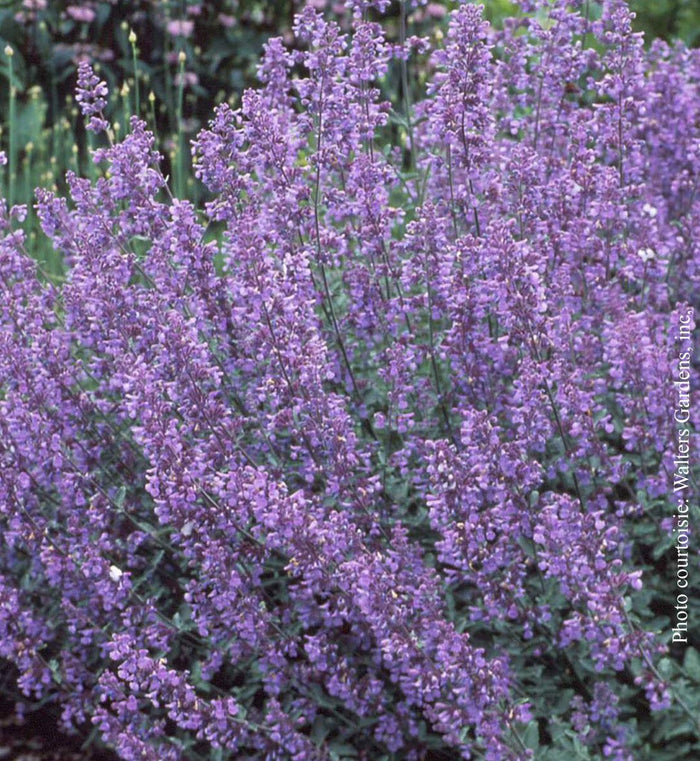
(55, 671)
(691, 664)
(342, 750)
(120, 496)
(531, 736)
(563, 702)
(527, 546)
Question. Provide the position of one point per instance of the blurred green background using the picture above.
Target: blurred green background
(669, 19)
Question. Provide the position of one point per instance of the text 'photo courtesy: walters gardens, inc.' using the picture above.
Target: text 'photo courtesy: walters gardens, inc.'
(683, 491)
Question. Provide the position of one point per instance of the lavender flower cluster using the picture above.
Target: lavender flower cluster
(344, 465)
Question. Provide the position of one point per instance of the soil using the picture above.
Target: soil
(36, 739)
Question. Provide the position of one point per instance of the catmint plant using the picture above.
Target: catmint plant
(367, 457)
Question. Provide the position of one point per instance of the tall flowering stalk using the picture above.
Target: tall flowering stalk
(365, 474)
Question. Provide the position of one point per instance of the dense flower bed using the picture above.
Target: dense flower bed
(367, 458)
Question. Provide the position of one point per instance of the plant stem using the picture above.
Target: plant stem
(9, 52)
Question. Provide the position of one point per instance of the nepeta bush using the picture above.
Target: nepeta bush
(350, 464)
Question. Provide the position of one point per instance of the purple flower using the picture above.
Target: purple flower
(91, 95)
(367, 452)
